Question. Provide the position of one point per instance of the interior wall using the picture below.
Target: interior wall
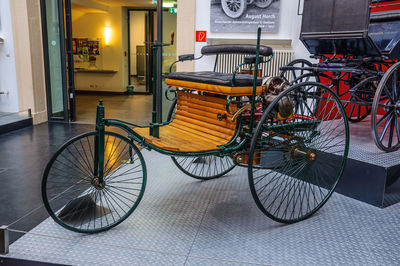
(39, 111)
(8, 78)
(137, 35)
(169, 52)
(92, 25)
(286, 38)
(186, 27)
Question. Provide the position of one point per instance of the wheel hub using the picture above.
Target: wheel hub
(97, 185)
(398, 108)
(310, 155)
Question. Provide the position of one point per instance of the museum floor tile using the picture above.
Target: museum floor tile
(182, 221)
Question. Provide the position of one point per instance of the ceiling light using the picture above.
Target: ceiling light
(168, 5)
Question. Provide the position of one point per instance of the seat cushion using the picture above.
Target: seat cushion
(216, 78)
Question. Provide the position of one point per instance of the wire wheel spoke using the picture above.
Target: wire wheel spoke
(74, 196)
(292, 182)
(204, 167)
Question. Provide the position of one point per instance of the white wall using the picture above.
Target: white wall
(137, 34)
(286, 38)
(8, 77)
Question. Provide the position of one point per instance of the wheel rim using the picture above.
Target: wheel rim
(263, 3)
(72, 194)
(205, 167)
(295, 164)
(358, 98)
(234, 8)
(298, 76)
(386, 111)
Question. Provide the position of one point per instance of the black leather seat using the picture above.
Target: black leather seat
(216, 78)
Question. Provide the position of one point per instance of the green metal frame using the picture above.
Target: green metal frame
(233, 146)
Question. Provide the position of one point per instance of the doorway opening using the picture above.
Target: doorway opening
(142, 29)
(103, 50)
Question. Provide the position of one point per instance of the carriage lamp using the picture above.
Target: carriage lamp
(107, 34)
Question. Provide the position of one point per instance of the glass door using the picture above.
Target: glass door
(54, 45)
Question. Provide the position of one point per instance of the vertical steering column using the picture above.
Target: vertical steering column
(253, 96)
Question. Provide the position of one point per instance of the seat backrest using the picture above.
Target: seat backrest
(248, 49)
(199, 114)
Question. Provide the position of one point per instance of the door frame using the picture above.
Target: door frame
(149, 59)
(60, 6)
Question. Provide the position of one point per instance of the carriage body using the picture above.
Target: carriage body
(358, 29)
(357, 44)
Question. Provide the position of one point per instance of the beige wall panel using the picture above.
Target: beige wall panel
(37, 58)
(186, 32)
(23, 63)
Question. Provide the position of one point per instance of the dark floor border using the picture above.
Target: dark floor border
(20, 262)
(16, 125)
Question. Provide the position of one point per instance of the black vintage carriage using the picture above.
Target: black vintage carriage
(357, 43)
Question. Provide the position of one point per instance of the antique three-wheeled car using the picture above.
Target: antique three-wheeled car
(357, 44)
(294, 140)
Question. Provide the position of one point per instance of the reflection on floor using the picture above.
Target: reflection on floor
(131, 108)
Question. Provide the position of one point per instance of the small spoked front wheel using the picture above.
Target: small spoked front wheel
(385, 120)
(297, 159)
(204, 167)
(75, 197)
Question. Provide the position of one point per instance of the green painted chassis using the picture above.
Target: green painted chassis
(228, 149)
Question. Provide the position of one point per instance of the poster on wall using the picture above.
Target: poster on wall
(245, 15)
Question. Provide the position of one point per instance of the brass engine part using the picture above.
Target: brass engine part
(241, 110)
(275, 85)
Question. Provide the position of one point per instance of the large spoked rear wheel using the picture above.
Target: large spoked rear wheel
(296, 163)
(386, 111)
(72, 193)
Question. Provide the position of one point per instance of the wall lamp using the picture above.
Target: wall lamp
(107, 33)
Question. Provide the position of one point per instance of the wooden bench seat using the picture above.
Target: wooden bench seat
(195, 127)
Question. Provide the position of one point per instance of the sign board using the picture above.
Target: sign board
(245, 15)
(201, 36)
